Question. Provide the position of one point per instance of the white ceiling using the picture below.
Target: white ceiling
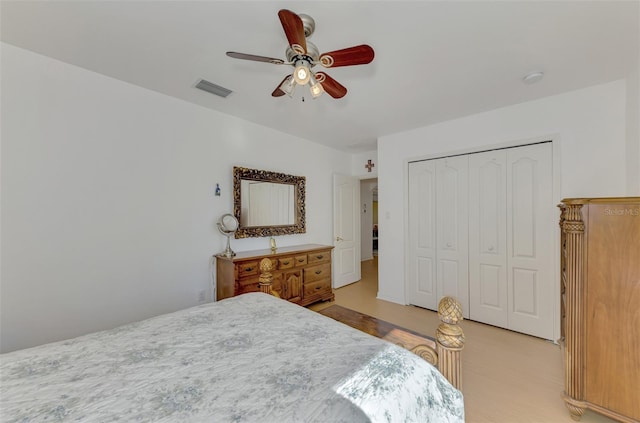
(435, 60)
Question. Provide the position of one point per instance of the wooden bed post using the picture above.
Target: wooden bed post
(450, 340)
(266, 278)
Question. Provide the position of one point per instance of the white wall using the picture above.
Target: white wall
(589, 132)
(108, 206)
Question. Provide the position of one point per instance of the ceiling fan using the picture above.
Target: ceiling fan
(303, 56)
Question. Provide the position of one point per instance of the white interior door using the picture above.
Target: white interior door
(488, 299)
(531, 221)
(421, 259)
(346, 229)
(452, 229)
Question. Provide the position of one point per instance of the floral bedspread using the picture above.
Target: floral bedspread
(251, 358)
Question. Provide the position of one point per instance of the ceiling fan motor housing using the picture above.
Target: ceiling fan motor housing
(308, 24)
(312, 56)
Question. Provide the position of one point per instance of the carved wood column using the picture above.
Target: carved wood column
(574, 351)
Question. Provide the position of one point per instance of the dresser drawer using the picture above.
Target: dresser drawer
(319, 257)
(286, 263)
(252, 284)
(248, 268)
(316, 273)
(251, 287)
(318, 287)
(301, 261)
(251, 280)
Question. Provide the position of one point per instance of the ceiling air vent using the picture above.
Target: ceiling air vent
(212, 88)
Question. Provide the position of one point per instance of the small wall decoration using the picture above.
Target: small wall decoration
(217, 190)
(369, 165)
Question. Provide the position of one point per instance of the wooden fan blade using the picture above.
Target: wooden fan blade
(358, 55)
(330, 85)
(294, 30)
(278, 92)
(255, 58)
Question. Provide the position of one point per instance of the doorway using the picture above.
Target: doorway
(355, 228)
(369, 218)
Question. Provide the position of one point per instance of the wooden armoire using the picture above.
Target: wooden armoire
(600, 306)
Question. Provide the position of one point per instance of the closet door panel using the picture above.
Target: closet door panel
(531, 228)
(525, 292)
(421, 266)
(452, 196)
(488, 299)
(489, 285)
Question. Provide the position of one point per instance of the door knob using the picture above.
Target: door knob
(339, 239)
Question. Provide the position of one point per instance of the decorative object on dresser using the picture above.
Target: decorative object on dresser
(600, 306)
(301, 274)
(228, 225)
(268, 203)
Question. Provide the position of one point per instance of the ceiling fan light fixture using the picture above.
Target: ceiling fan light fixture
(315, 87)
(302, 74)
(288, 86)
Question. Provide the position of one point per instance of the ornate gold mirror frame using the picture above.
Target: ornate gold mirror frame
(298, 183)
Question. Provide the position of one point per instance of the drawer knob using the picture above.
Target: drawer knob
(318, 272)
(318, 288)
(248, 269)
(319, 257)
(285, 262)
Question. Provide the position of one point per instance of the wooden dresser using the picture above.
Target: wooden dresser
(600, 306)
(301, 274)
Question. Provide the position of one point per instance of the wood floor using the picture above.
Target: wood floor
(506, 376)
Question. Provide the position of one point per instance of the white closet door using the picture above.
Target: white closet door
(421, 266)
(531, 222)
(488, 298)
(452, 238)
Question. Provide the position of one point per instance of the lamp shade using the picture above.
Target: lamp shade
(302, 74)
(315, 87)
(288, 86)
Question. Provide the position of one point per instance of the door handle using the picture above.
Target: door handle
(339, 239)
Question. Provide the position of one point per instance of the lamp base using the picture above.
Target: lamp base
(228, 252)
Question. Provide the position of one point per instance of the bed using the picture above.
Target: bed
(250, 358)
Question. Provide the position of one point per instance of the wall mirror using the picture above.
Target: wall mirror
(268, 203)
